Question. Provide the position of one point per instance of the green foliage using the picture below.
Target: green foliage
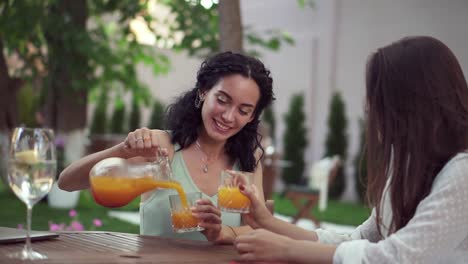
(118, 119)
(99, 123)
(271, 39)
(28, 102)
(360, 163)
(201, 28)
(269, 118)
(107, 52)
(135, 117)
(295, 141)
(337, 141)
(157, 115)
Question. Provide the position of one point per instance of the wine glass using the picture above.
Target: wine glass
(32, 166)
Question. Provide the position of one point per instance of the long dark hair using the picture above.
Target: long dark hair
(183, 118)
(417, 101)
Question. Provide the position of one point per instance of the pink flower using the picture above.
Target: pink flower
(56, 227)
(20, 226)
(59, 142)
(72, 213)
(97, 222)
(76, 226)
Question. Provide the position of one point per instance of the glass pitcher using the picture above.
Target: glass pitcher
(115, 182)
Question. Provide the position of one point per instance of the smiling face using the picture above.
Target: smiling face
(229, 106)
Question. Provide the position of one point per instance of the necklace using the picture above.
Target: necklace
(206, 160)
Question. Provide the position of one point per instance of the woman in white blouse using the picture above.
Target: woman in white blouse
(417, 138)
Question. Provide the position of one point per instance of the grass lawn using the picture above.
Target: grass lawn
(13, 212)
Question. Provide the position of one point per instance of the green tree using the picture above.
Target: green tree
(135, 117)
(75, 57)
(337, 141)
(360, 163)
(117, 125)
(295, 141)
(99, 123)
(72, 58)
(157, 115)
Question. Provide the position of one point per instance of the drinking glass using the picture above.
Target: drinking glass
(181, 215)
(230, 198)
(32, 168)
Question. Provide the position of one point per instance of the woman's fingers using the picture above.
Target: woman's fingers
(138, 138)
(210, 226)
(154, 139)
(251, 193)
(205, 206)
(243, 247)
(208, 217)
(146, 135)
(145, 142)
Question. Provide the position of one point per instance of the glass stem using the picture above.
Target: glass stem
(28, 247)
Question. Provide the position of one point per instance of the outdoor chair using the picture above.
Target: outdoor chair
(306, 197)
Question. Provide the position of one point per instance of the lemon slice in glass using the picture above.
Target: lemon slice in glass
(27, 156)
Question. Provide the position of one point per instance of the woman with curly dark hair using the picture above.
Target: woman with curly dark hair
(417, 144)
(212, 127)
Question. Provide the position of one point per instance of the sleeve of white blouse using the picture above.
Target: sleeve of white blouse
(438, 227)
(367, 230)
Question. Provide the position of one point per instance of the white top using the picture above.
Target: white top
(437, 233)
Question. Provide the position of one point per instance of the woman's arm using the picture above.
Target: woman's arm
(76, 175)
(263, 245)
(437, 233)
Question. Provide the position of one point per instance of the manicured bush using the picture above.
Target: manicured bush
(157, 115)
(337, 141)
(99, 123)
(118, 119)
(135, 117)
(295, 141)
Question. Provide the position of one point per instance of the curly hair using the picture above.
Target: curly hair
(183, 118)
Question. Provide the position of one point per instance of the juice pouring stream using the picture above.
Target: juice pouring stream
(115, 182)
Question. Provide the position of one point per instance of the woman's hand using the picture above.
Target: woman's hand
(263, 245)
(258, 215)
(210, 219)
(143, 142)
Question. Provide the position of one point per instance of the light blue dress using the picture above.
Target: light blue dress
(155, 212)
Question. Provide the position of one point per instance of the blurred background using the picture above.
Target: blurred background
(95, 70)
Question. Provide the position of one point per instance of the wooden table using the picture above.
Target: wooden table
(110, 247)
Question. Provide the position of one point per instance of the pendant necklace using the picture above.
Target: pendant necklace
(205, 159)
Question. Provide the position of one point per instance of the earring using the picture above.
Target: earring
(198, 101)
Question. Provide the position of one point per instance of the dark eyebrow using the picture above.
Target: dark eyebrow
(230, 98)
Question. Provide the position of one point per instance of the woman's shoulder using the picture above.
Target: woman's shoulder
(459, 160)
(455, 170)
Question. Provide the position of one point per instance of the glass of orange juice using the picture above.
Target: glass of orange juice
(230, 199)
(181, 215)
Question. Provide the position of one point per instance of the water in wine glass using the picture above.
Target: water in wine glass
(31, 179)
(31, 171)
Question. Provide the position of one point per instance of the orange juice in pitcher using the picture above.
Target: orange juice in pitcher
(115, 182)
